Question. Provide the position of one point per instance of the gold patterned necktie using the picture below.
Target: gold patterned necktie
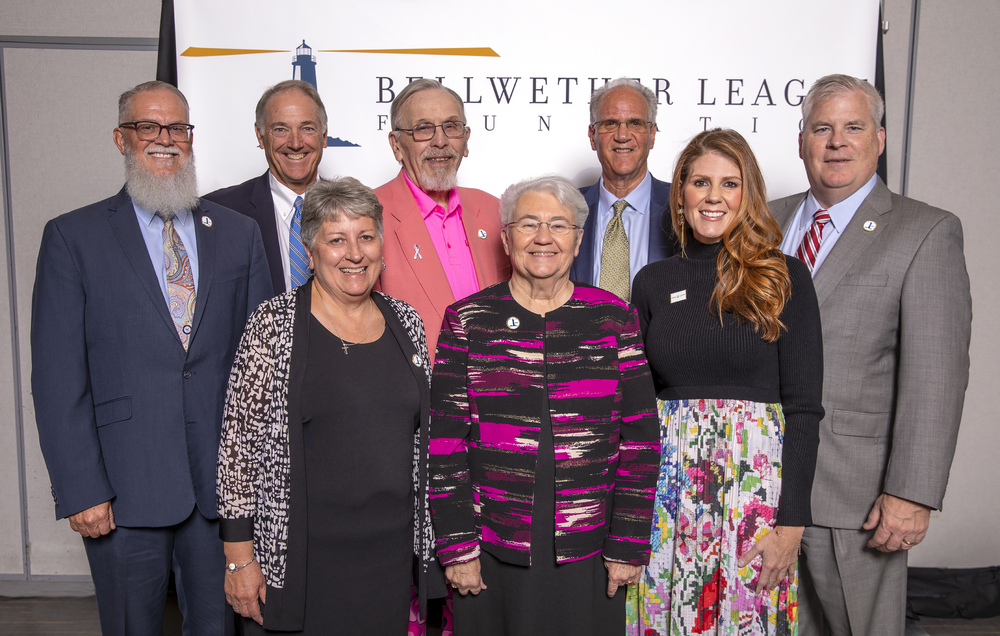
(614, 255)
(180, 280)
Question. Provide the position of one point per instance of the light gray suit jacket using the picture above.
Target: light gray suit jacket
(897, 314)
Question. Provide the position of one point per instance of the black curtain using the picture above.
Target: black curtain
(883, 167)
(166, 54)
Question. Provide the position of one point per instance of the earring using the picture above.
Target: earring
(383, 266)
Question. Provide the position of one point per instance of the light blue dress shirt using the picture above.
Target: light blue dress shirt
(151, 227)
(840, 215)
(635, 218)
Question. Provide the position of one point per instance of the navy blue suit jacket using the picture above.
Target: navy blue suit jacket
(124, 413)
(662, 243)
(253, 198)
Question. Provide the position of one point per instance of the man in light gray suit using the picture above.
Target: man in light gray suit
(894, 298)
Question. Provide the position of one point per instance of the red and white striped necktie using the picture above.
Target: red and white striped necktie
(813, 239)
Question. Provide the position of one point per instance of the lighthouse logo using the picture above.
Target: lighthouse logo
(304, 68)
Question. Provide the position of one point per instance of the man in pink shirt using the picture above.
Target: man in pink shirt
(441, 242)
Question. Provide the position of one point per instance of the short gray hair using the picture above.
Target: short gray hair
(410, 90)
(125, 99)
(597, 97)
(830, 85)
(327, 199)
(283, 87)
(566, 194)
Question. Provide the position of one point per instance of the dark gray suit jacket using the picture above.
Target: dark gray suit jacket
(897, 313)
(662, 242)
(253, 198)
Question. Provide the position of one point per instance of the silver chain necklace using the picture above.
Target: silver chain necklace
(343, 343)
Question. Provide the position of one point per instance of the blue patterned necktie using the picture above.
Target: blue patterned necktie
(180, 280)
(296, 251)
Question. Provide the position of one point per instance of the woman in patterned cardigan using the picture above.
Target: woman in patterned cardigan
(544, 443)
(321, 476)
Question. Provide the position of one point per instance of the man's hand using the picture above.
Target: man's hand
(465, 577)
(901, 524)
(93, 522)
(620, 575)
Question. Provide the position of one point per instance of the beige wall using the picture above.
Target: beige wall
(953, 164)
(53, 170)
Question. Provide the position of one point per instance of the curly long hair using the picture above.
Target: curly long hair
(752, 276)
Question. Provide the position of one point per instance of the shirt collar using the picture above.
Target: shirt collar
(282, 194)
(428, 205)
(637, 199)
(841, 213)
(144, 215)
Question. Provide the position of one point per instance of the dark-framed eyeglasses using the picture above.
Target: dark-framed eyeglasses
(608, 126)
(425, 132)
(531, 226)
(150, 130)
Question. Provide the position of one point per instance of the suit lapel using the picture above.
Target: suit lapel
(206, 264)
(853, 243)
(583, 264)
(482, 255)
(263, 213)
(659, 220)
(412, 232)
(121, 216)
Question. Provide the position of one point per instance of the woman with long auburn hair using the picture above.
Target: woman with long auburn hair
(732, 334)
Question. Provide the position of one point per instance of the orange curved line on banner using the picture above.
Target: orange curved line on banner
(197, 51)
(483, 51)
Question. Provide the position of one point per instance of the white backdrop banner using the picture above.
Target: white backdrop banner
(525, 70)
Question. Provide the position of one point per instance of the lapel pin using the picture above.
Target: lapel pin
(416, 252)
(869, 226)
(417, 360)
(207, 222)
(677, 297)
(513, 323)
(482, 234)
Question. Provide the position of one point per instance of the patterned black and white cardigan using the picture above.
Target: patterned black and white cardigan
(256, 467)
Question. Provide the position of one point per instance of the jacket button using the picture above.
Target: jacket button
(186, 374)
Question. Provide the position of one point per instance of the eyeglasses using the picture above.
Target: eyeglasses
(425, 132)
(150, 130)
(608, 126)
(556, 228)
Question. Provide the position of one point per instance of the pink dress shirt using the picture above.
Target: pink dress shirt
(450, 243)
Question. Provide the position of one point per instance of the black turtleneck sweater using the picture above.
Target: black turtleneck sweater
(693, 356)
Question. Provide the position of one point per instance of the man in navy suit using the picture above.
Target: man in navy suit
(139, 304)
(291, 128)
(622, 131)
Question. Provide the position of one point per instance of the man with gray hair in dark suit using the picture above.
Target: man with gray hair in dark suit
(894, 298)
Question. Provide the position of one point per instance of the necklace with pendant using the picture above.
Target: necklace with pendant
(343, 343)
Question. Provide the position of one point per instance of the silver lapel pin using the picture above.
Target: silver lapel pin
(416, 252)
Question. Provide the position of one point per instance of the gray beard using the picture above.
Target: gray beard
(169, 195)
(443, 183)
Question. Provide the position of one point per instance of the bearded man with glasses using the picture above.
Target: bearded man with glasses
(442, 242)
(626, 227)
(139, 304)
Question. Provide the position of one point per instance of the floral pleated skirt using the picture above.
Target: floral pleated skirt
(717, 493)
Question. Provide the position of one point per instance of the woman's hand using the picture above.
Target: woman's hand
(778, 549)
(244, 587)
(620, 575)
(465, 577)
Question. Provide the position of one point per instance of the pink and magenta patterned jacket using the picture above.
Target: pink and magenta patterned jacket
(497, 366)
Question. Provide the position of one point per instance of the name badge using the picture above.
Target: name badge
(677, 297)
